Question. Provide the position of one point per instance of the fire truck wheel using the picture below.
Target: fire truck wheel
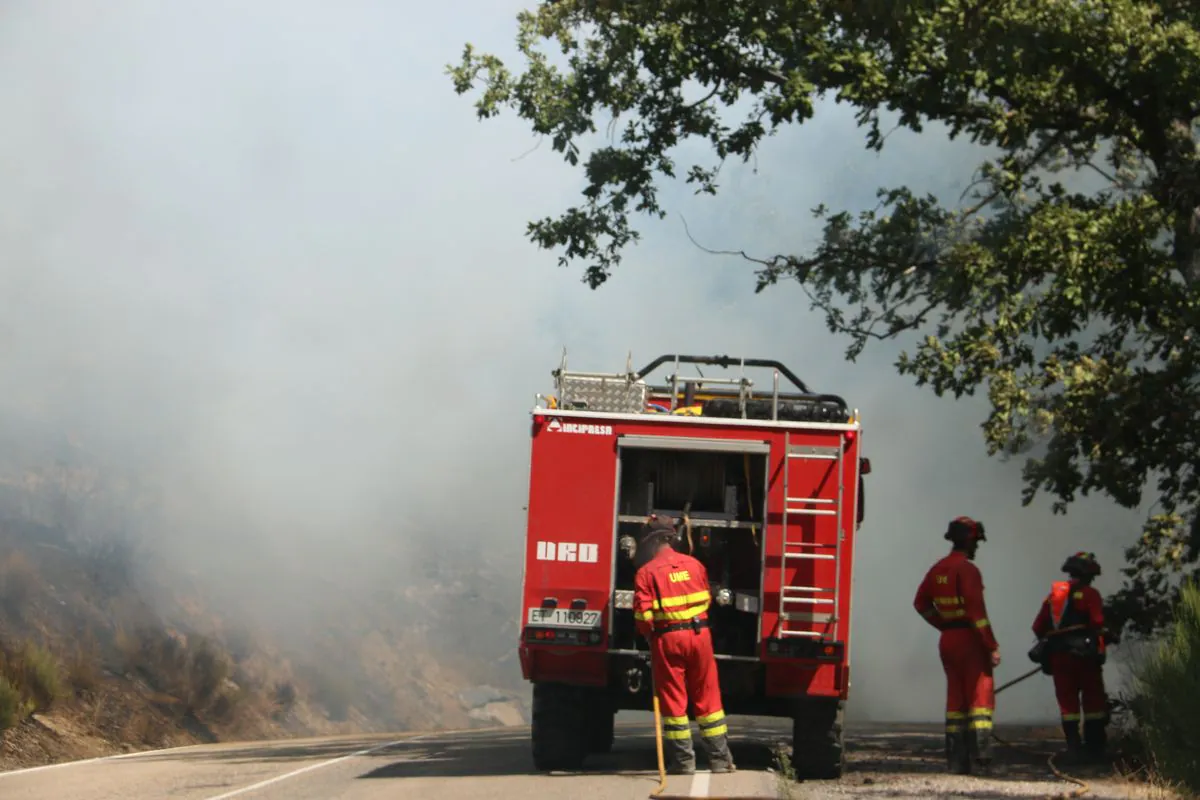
(817, 741)
(559, 737)
(601, 731)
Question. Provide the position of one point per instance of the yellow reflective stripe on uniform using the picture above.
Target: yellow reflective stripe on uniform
(948, 601)
(709, 719)
(1070, 717)
(685, 614)
(929, 613)
(955, 715)
(979, 718)
(982, 623)
(953, 727)
(961, 612)
(716, 730)
(675, 720)
(686, 733)
(682, 600)
(644, 616)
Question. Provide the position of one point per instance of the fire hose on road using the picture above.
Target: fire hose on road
(1083, 786)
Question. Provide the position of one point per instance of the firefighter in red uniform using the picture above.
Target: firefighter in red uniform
(670, 604)
(1071, 645)
(950, 598)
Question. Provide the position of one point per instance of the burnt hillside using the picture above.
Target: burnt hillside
(109, 640)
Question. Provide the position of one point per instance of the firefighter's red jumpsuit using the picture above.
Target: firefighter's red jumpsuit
(950, 598)
(670, 605)
(1069, 609)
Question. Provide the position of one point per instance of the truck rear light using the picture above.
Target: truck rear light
(549, 602)
(623, 598)
(578, 604)
(562, 636)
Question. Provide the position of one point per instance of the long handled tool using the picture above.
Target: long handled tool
(662, 769)
(1015, 681)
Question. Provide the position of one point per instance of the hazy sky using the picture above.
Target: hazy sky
(263, 251)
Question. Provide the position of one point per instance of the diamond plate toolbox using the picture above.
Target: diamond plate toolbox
(615, 395)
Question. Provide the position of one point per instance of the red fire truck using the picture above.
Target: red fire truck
(768, 483)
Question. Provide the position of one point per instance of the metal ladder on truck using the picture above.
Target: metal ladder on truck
(810, 606)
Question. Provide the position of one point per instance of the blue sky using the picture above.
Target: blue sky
(266, 250)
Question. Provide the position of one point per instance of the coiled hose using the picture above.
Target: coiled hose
(1083, 789)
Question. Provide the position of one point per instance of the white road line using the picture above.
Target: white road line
(82, 761)
(311, 767)
(700, 783)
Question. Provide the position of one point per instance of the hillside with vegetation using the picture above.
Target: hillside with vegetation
(107, 644)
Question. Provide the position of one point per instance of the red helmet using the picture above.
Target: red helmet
(965, 529)
(1082, 565)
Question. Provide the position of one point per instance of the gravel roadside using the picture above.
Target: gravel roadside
(895, 761)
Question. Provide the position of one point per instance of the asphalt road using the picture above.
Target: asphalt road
(489, 765)
(893, 761)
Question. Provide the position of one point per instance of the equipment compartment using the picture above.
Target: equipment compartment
(718, 499)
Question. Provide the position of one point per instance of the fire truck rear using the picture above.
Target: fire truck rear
(768, 484)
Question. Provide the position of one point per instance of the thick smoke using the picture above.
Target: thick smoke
(262, 253)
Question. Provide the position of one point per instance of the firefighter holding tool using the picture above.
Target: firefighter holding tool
(1071, 646)
(670, 605)
(950, 598)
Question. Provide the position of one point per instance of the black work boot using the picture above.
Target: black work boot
(1074, 742)
(719, 758)
(1095, 738)
(958, 757)
(981, 749)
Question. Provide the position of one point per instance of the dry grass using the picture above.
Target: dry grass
(13, 708)
(19, 580)
(1147, 782)
(30, 680)
(83, 667)
(193, 672)
(41, 676)
(333, 691)
(285, 698)
(144, 727)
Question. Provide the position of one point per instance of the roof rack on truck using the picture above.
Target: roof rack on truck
(694, 394)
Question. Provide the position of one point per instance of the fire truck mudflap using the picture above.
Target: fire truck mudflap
(769, 485)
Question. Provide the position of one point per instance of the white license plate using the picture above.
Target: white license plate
(564, 618)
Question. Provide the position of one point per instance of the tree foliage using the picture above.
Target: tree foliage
(1074, 309)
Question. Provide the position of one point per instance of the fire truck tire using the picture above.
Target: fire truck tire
(560, 740)
(602, 730)
(818, 742)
